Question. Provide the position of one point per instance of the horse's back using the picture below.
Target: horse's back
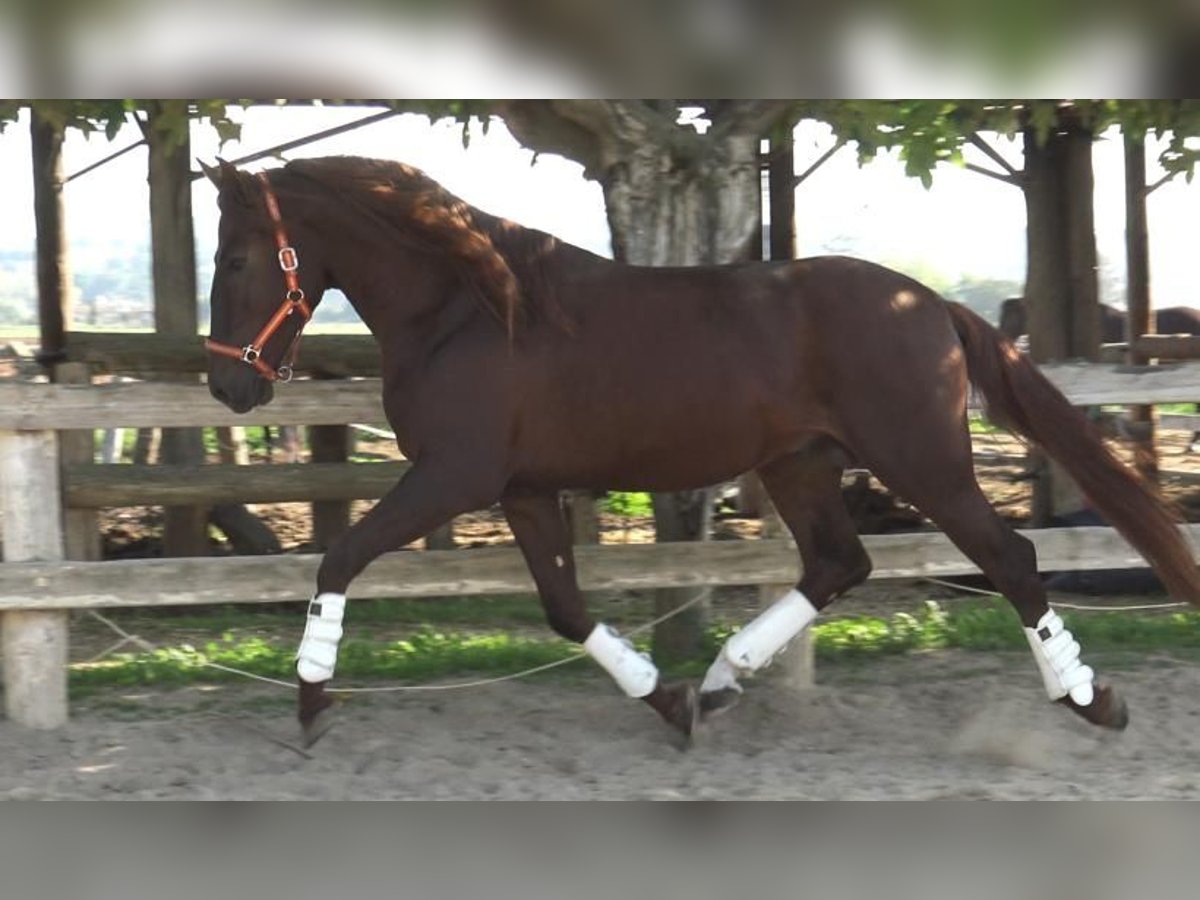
(1178, 320)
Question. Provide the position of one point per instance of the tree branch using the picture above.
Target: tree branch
(1150, 189)
(821, 160)
(594, 133)
(752, 117)
(542, 126)
(1014, 180)
(977, 140)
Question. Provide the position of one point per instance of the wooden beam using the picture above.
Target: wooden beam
(501, 570)
(77, 448)
(1091, 384)
(335, 356)
(1167, 346)
(26, 406)
(279, 149)
(92, 486)
(153, 405)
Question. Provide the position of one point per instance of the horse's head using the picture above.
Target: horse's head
(261, 295)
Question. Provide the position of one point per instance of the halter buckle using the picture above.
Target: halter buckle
(284, 374)
(250, 354)
(288, 260)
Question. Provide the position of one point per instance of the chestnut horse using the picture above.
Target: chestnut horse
(515, 366)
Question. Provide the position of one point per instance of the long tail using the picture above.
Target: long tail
(1018, 395)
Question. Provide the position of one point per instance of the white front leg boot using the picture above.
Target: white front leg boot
(633, 672)
(1057, 655)
(758, 642)
(317, 656)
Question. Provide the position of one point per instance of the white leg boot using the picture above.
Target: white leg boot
(758, 642)
(1057, 655)
(317, 656)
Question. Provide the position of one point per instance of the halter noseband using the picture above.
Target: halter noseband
(293, 302)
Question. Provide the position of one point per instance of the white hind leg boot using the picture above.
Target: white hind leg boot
(317, 656)
(758, 642)
(1057, 655)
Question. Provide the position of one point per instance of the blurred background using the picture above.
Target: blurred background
(586, 47)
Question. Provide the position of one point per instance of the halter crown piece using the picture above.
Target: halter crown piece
(293, 302)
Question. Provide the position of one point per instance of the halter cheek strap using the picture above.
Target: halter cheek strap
(293, 303)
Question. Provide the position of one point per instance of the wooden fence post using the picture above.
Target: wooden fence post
(34, 642)
(330, 518)
(81, 527)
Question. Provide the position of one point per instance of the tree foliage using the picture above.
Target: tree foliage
(929, 132)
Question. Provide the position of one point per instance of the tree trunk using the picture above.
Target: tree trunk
(1061, 289)
(675, 204)
(1139, 318)
(174, 270)
(53, 271)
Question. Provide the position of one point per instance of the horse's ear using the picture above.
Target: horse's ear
(211, 172)
(230, 181)
(228, 169)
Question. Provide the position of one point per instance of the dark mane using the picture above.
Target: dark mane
(431, 217)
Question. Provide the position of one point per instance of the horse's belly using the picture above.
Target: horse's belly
(648, 457)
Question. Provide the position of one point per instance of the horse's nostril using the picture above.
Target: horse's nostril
(218, 393)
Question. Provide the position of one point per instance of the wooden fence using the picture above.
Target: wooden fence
(38, 587)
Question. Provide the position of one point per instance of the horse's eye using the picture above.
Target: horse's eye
(236, 263)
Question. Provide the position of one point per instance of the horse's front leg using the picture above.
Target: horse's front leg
(541, 532)
(429, 495)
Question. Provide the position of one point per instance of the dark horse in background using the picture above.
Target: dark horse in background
(516, 366)
(1169, 320)
(1113, 323)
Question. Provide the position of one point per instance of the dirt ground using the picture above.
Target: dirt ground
(938, 725)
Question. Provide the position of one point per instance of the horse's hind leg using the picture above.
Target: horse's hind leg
(929, 464)
(541, 532)
(806, 491)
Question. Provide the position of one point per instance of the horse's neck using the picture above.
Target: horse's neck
(393, 288)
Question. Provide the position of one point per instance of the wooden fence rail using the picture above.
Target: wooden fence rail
(98, 486)
(491, 570)
(331, 355)
(26, 406)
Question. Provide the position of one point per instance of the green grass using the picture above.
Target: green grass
(430, 652)
(978, 425)
(256, 440)
(628, 503)
(425, 655)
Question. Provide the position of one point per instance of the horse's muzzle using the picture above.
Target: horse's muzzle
(242, 394)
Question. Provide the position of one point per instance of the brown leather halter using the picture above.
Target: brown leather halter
(293, 302)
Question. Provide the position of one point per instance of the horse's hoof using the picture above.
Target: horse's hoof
(314, 728)
(713, 703)
(315, 714)
(1107, 708)
(678, 706)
